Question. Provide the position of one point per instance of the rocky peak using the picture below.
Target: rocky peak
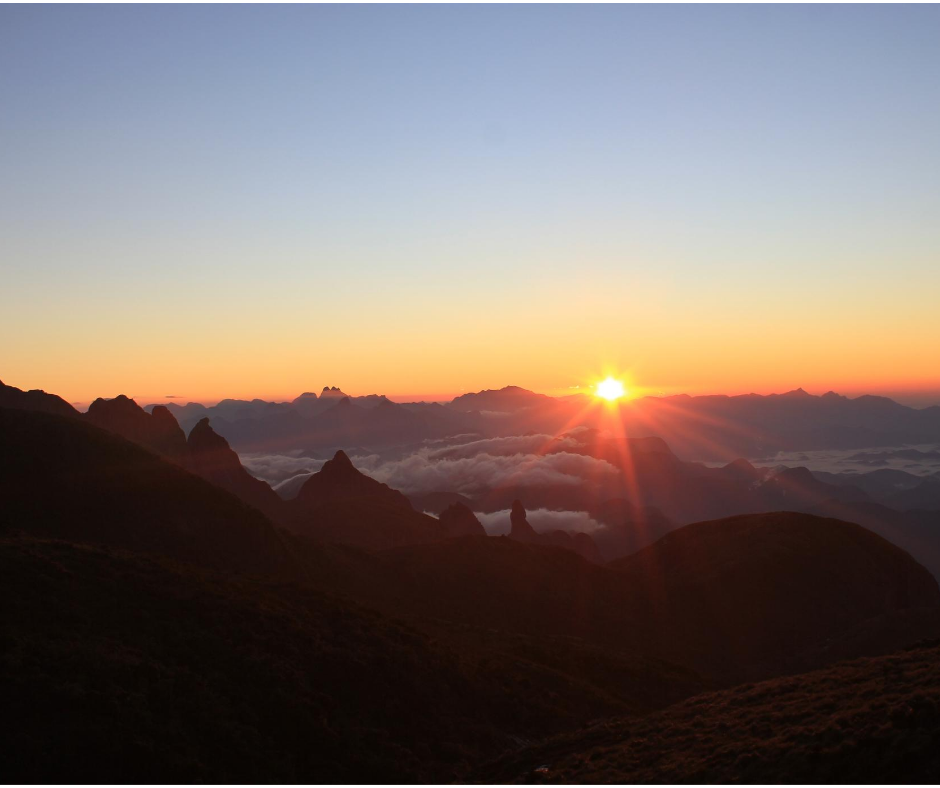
(159, 431)
(203, 438)
(458, 520)
(213, 459)
(339, 480)
(517, 519)
(339, 462)
(35, 399)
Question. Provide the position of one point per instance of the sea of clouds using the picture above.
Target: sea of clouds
(920, 460)
(470, 466)
(542, 520)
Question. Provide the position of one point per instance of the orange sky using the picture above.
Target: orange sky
(638, 204)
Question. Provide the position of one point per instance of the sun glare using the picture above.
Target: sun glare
(610, 389)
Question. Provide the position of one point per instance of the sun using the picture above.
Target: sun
(610, 389)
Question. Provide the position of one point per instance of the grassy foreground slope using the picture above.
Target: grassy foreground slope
(873, 720)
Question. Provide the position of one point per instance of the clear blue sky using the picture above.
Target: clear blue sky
(253, 200)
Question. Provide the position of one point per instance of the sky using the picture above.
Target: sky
(242, 201)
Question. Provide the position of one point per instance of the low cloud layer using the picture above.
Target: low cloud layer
(542, 520)
(427, 471)
(919, 460)
(278, 468)
(506, 446)
(470, 468)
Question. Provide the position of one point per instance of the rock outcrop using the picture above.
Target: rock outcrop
(157, 431)
(212, 458)
(458, 520)
(522, 531)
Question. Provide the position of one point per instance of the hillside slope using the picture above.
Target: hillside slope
(869, 721)
(124, 668)
(733, 600)
(773, 592)
(61, 478)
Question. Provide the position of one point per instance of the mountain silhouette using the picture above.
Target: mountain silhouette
(172, 632)
(157, 430)
(716, 585)
(714, 428)
(522, 531)
(61, 478)
(339, 504)
(627, 528)
(506, 399)
(458, 520)
(732, 600)
(36, 400)
(210, 457)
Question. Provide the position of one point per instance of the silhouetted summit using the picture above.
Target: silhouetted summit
(66, 479)
(36, 400)
(506, 399)
(338, 480)
(827, 585)
(340, 504)
(211, 457)
(458, 520)
(522, 531)
(158, 431)
(519, 525)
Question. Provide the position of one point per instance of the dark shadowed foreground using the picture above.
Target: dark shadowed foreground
(158, 628)
(868, 721)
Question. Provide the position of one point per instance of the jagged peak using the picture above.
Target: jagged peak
(121, 401)
(203, 438)
(332, 391)
(518, 522)
(340, 461)
(162, 413)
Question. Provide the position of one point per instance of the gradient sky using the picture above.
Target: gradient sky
(256, 201)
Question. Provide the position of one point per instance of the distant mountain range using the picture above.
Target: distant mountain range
(706, 428)
(652, 493)
(163, 626)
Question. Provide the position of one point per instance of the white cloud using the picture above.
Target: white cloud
(469, 468)
(423, 471)
(277, 468)
(542, 520)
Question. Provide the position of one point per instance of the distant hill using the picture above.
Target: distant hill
(505, 400)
